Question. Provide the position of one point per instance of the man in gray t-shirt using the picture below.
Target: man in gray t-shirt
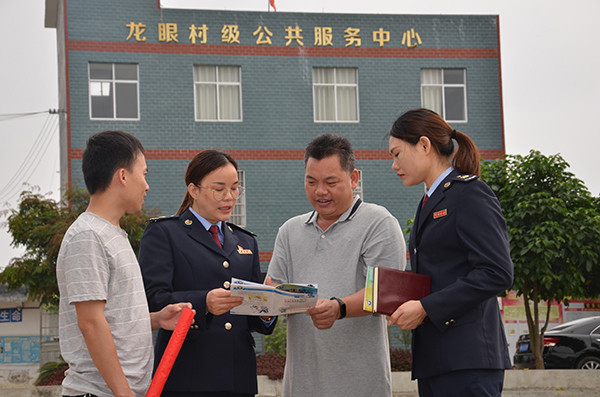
(105, 328)
(333, 246)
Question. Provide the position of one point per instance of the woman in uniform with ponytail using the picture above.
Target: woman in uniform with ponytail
(194, 254)
(459, 239)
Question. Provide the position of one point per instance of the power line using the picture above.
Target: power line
(11, 116)
(33, 157)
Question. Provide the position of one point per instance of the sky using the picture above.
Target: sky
(550, 59)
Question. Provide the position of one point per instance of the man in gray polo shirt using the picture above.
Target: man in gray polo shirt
(337, 349)
(105, 327)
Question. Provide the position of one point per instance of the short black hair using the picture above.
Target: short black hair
(106, 152)
(326, 145)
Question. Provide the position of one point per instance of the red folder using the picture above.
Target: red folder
(393, 287)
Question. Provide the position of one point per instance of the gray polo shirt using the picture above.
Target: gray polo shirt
(352, 357)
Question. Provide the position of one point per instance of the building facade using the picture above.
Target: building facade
(261, 85)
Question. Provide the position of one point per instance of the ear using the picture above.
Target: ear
(354, 178)
(424, 144)
(120, 176)
(193, 190)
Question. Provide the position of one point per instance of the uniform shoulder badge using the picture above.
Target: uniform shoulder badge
(233, 226)
(461, 178)
(162, 218)
(466, 178)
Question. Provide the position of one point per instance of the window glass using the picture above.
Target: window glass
(335, 95)
(218, 93)
(126, 100)
(444, 91)
(454, 76)
(455, 100)
(100, 70)
(205, 73)
(229, 74)
(238, 215)
(113, 91)
(125, 71)
(345, 76)
(323, 75)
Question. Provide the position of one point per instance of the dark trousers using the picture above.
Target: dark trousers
(466, 383)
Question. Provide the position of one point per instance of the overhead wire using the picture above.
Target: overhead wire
(32, 159)
(11, 116)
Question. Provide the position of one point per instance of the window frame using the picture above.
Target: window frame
(359, 186)
(443, 86)
(335, 91)
(217, 84)
(113, 81)
(240, 207)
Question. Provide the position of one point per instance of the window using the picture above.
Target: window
(114, 91)
(359, 187)
(335, 94)
(444, 91)
(238, 216)
(218, 93)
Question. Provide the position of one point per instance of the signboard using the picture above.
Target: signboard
(11, 315)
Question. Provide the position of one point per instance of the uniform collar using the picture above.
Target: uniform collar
(206, 223)
(439, 180)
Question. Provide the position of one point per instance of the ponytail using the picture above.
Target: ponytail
(466, 158)
(185, 204)
(414, 124)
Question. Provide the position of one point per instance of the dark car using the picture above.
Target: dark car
(575, 344)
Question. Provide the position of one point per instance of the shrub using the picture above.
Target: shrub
(52, 373)
(275, 343)
(271, 365)
(401, 359)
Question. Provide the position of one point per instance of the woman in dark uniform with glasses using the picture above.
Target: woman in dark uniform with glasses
(192, 257)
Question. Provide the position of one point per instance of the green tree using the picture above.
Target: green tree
(39, 224)
(554, 227)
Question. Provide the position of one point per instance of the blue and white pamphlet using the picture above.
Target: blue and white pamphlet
(267, 300)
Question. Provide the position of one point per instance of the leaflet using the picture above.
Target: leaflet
(266, 300)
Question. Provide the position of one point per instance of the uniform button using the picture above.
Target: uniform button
(322, 236)
(226, 284)
(415, 251)
(225, 264)
(447, 323)
(228, 326)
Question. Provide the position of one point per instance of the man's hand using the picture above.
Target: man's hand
(324, 313)
(169, 315)
(219, 301)
(270, 282)
(409, 315)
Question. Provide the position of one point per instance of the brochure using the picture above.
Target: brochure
(266, 300)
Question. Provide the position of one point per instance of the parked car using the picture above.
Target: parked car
(575, 344)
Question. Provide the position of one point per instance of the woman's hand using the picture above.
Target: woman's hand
(408, 316)
(219, 301)
(168, 317)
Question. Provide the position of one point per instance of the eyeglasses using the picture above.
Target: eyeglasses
(220, 192)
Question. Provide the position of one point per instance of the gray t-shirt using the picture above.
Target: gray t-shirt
(351, 358)
(96, 262)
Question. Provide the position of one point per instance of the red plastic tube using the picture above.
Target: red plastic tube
(171, 352)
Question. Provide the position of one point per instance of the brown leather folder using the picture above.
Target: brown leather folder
(392, 287)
